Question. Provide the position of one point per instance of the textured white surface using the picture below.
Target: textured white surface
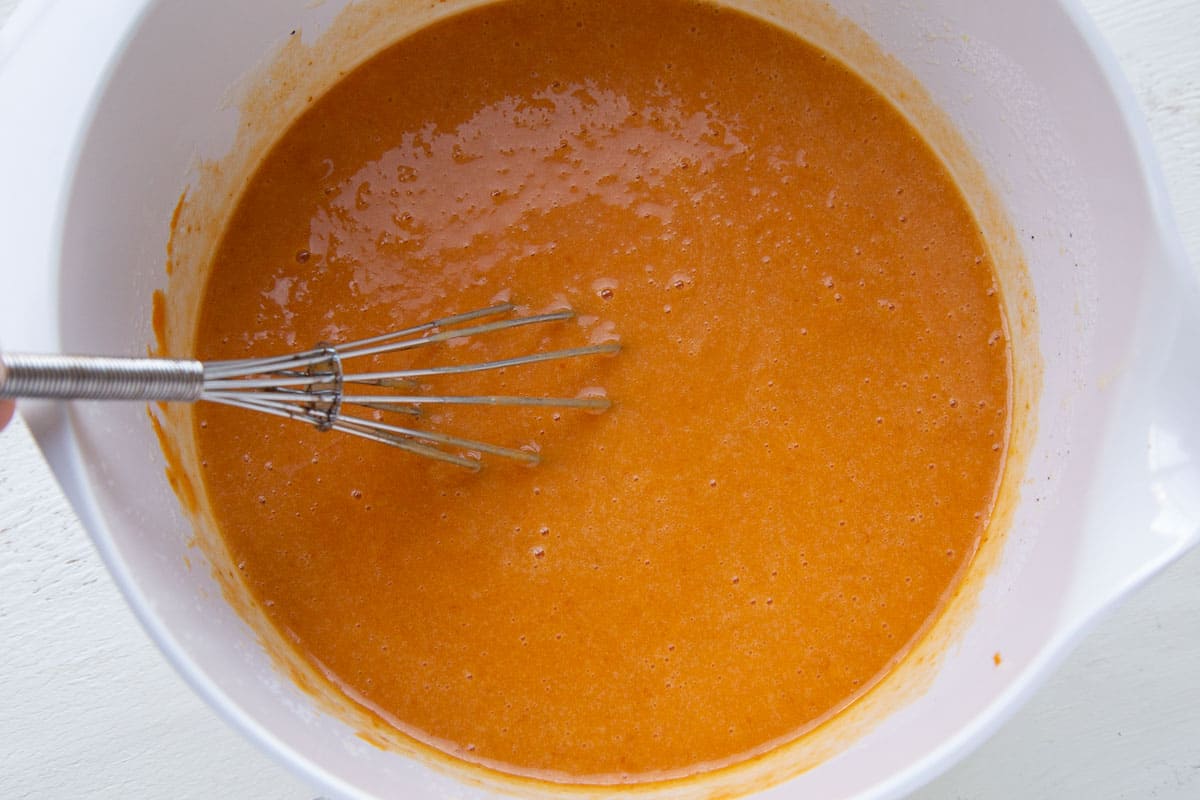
(89, 708)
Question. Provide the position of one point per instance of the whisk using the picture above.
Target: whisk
(312, 386)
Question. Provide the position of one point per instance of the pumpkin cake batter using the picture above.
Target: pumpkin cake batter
(810, 407)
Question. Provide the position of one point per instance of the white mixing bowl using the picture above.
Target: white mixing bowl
(106, 105)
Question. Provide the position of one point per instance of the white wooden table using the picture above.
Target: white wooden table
(89, 709)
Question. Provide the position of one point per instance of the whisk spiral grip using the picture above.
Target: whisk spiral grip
(59, 377)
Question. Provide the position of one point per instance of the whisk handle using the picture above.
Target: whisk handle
(58, 377)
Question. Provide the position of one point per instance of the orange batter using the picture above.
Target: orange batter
(810, 407)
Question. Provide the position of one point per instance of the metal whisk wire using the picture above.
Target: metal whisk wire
(311, 386)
